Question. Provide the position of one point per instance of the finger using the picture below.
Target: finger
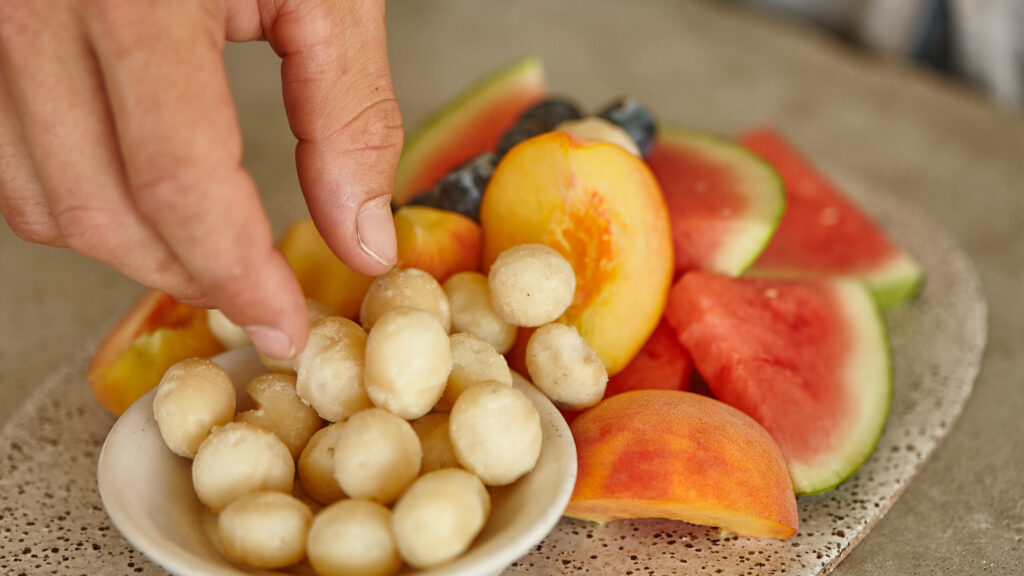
(55, 88)
(341, 106)
(22, 201)
(182, 149)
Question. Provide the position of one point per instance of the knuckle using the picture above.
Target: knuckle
(86, 228)
(376, 128)
(32, 228)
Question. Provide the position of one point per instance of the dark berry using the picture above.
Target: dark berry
(462, 189)
(632, 117)
(536, 120)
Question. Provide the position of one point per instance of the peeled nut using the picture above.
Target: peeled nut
(408, 359)
(316, 311)
(279, 409)
(329, 374)
(229, 334)
(239, 458)
(438, 453)
(439, 516)
(377, 455)
(265, 529)
(193, 396)
(470, 301)
(598, 129)
(410, 288)
(473, 361)
(531, 285)
(496, 432)
(353, 538)
(565, 368)
(316, 465)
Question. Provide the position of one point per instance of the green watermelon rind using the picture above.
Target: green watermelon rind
(451, 117)
(869, 380)
(891, 284)
(761, 220)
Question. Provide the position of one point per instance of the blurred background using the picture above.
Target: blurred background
(978, 41)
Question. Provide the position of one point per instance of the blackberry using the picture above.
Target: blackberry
(636, 120)
(538, 119)
(462, 189)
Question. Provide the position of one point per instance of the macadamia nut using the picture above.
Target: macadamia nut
(565, 368)
(473, 361)
(377, 455)
(470, 302)
(438, 453)
(193, 396)
(598, 129)
(496, 432)
(316, 465)
(410, 288)
(229, 334)
(316, 311)
(265, 529)
(408, 359)
(531, 285)
(279, 409)
(353, 538)
(239, 458)
(439, 516)
(330, 369)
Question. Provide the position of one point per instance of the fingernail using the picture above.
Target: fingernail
(376, 231)
(271, 342)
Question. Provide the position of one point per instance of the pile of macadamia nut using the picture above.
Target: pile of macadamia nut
(394, 426)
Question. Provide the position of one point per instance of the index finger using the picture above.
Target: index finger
(181, 145)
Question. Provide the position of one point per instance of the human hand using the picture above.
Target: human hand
(119, 139)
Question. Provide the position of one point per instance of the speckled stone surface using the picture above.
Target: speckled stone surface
(902, 133)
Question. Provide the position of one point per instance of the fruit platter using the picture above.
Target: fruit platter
(753, 354)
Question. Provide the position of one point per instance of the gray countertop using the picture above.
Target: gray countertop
(714, 66)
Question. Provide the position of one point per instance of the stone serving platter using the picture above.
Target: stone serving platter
(52, 520)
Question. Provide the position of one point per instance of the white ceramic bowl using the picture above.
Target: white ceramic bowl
(147, 492)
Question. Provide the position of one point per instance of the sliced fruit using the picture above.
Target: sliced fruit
(155, 333)
(824, 234)
(323, 277)
(437, 241)
(601, 208)
(808, 360)
(670, 454)
(467, 126)
(662, 364)
(724, 201)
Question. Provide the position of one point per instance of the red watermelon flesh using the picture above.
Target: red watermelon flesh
(822, 233)
(467, 126)
(808, 360)
(723, 201)
(661, 364)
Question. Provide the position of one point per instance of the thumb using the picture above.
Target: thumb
(341, 106)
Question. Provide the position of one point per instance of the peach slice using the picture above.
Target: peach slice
(323, 277)
(602, 209)
(437, 241)
(155, 333)
(678, 455)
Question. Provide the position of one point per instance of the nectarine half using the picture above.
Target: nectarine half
(683, 456)
(601, 208)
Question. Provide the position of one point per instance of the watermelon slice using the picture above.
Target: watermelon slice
(661, 364)
(467, 126)
(724, 202)
(824, 234)
(809, 360)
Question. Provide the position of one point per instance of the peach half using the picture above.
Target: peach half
(601, 208)
(155, 333)
(683, 456)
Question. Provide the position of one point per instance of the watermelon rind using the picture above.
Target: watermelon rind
(455, 118)
(757, 180)
(868, 380)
